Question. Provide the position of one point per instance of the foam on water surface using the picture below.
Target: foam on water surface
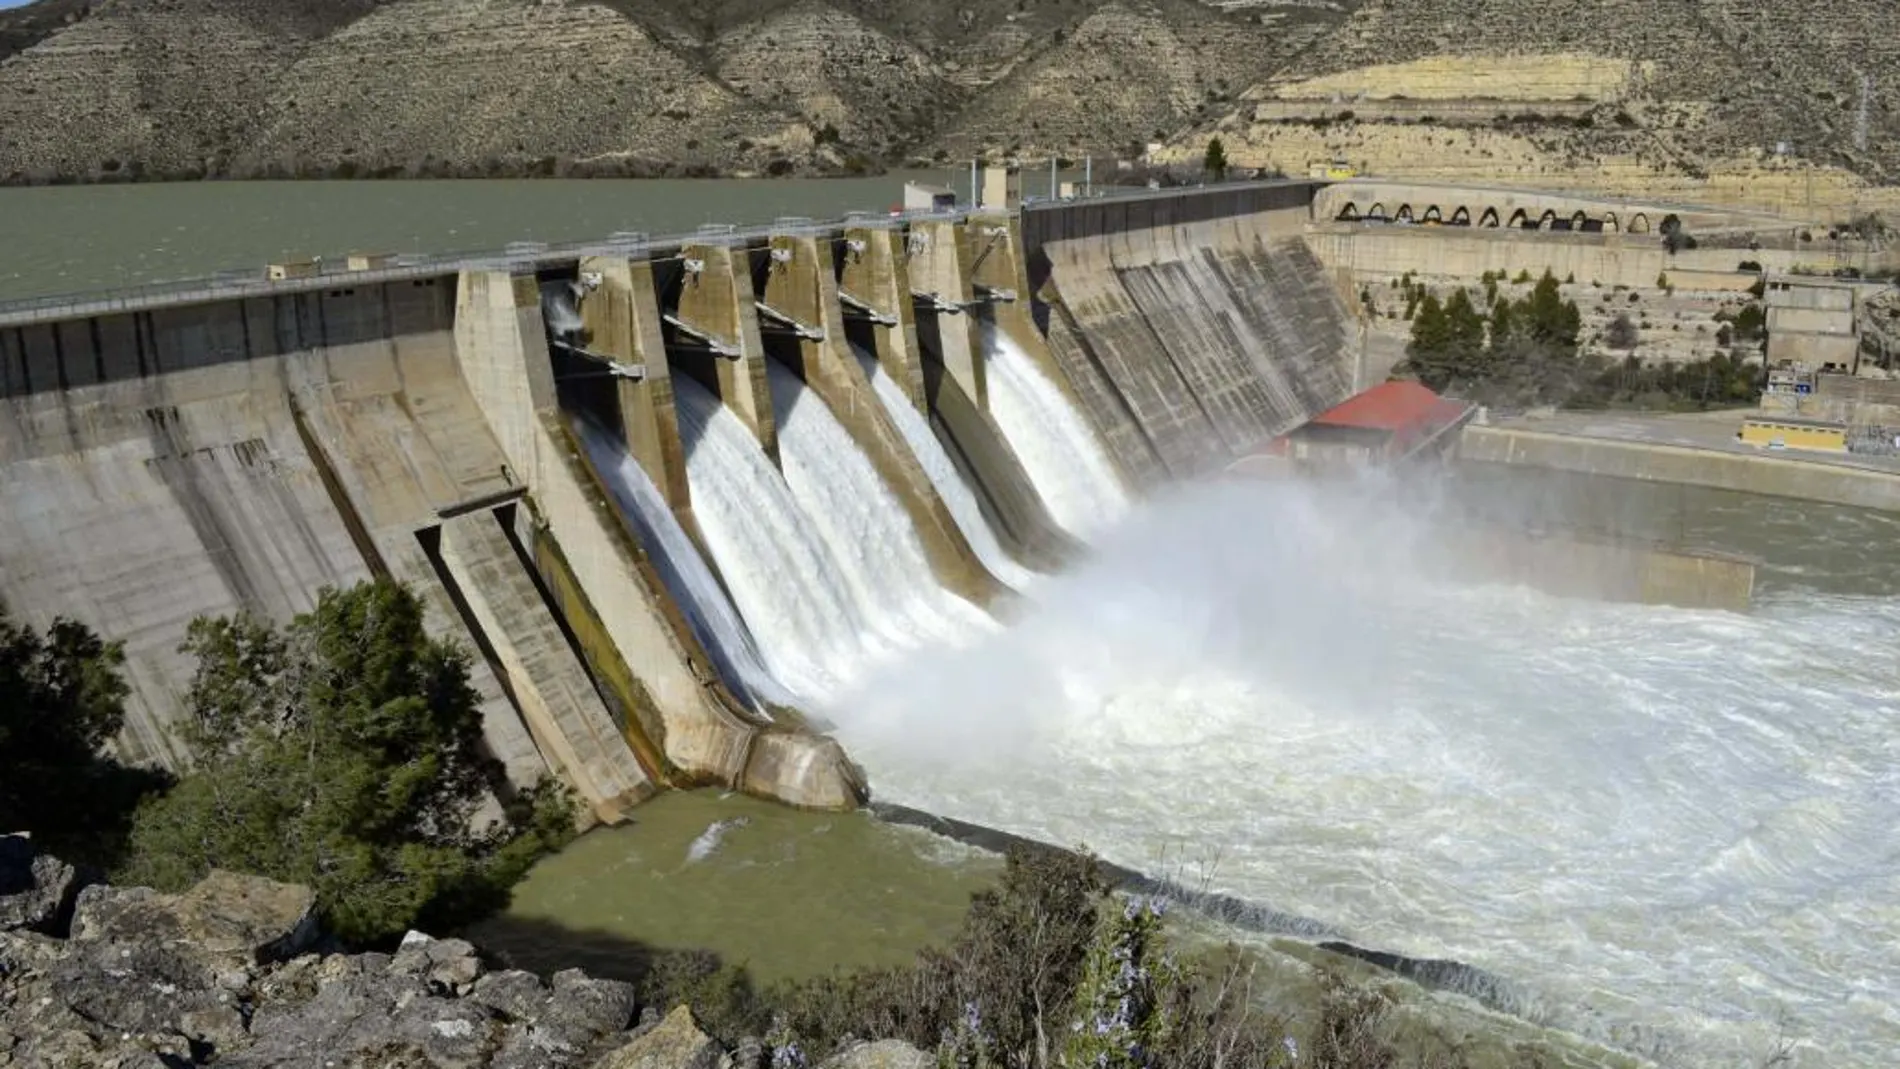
(1669, 828)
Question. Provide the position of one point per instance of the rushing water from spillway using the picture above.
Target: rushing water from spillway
(957, 493)
(1058, 451)
(861, 521)
(708, 611)
(1668, 829)
(821, 561)
(781, 575)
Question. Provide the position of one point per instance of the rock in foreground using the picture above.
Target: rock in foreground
(220, 974)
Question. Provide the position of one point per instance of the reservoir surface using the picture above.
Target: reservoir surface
(69, 239)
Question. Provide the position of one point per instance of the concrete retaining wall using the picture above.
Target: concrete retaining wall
(1209, 337)
(1633, 260)
(1776, 476)
(1610, 571)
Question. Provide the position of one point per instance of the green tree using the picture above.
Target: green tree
(343, 752)
(61, 700)
(1447, 350)
(1215, 162)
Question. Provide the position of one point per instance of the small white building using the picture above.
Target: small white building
(919, 196)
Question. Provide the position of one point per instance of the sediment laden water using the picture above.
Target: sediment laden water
(948, 480)
(1064, 461)
(708, 612)
(1669, 829)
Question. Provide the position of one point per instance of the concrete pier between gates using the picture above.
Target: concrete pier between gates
(716, 300)
(874, 284)
(801, 283)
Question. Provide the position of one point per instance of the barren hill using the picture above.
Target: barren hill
(1514, 89)
(1666, 94)
(254, 87)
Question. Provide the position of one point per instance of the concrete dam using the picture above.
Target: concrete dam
(675, 495)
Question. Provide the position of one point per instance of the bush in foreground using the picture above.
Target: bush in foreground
(342, 752)
(1048, 970)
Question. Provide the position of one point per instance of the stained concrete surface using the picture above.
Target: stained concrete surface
(1208, 337)
(570, 724)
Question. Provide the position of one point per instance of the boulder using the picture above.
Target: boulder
(516, 995)
(592, 1005)
(449, 965)
(36, 890)
(227, 919)
(676, 1044)
(884, 1054)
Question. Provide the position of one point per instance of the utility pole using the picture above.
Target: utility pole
(1052, 178)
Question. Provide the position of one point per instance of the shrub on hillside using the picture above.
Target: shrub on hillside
(343, 752)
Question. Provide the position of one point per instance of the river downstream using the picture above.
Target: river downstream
(1667, 831)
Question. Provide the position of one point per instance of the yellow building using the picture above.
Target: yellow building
(1793, 432)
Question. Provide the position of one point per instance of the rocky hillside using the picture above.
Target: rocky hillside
(1620, 94)
(129, 88)
(115, 88)
(127, 978)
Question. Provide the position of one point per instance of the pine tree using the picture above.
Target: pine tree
(344, 753)
(1215, 162)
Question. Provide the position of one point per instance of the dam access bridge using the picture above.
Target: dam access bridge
(239, 443)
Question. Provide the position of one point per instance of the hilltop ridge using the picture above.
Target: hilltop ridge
(113, 89)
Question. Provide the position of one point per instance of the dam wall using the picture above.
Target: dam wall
(190, 455)
(201, 460)
(1190, 342)
(502, 347)
(798, 279)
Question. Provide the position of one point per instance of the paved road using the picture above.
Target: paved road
(1697, 430)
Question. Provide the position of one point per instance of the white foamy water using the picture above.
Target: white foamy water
(714, 621)
(957, 493)
(1057, 449)
(1670, 829)
(781, 575)
(706, 843)
(860, 520)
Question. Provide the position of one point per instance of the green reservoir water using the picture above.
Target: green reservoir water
(785, 892)
(69, 239)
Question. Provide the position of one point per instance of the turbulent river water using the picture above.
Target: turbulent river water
(1669, 831)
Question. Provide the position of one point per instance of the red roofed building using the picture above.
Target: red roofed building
(1388, 422)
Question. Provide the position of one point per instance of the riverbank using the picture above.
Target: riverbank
(1696, 450)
